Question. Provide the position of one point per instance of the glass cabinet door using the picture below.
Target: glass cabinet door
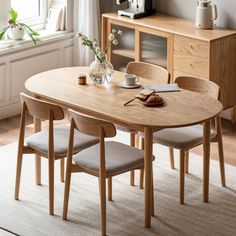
(124, 52)
(153, 49)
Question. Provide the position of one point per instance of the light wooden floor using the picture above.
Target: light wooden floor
(9, 129)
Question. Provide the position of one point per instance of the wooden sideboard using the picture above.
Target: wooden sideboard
(178, 45)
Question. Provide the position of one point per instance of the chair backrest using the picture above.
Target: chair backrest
(41, 109)
(91, 126)
(204, 87)
(148, 71)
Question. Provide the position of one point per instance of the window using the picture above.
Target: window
(32, 12)
(26, 9)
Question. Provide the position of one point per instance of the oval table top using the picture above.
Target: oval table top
(106, 102)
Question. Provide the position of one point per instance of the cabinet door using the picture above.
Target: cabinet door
(124, 52)
(153, 49)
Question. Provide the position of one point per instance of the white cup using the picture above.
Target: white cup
(130, 79)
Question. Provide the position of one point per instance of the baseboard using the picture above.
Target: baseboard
(10, 110)
(226, 114)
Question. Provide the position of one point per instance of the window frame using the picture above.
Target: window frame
(37, 22)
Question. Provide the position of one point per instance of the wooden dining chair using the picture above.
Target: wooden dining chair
(189, 137)
(104, 160)
(156, 74)
(51, 143)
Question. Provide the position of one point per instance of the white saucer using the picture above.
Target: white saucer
(124, 85)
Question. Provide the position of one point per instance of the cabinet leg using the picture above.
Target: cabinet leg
(233, 114)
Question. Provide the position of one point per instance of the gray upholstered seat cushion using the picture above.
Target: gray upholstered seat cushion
(181, 138)
(120, 158)
(125, 129)
(39, 141)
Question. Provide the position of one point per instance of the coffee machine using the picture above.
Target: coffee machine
(137, 8)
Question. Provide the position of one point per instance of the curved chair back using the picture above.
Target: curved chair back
(91, 126)
(204, 87)
(41, 109)
(149, 71)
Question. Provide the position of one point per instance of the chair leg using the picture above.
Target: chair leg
(102, 190)
(142, 144)
(62, 169)
(182, 175)
(66, 192)
(153, 206)
(172, 160)
(37, 128)
(187, 162)
(109, 181)
(37, 169)
(132, 176)
(137, 139)
(18, 173)
(51, 184)
(221, 151)
(141, 178)
(132, 144)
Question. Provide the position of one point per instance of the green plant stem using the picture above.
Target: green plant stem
(2, 32)
(89, 43)
(107, 47)
(30, 32)
(91, 47)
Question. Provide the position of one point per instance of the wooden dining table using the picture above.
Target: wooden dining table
(106, 102)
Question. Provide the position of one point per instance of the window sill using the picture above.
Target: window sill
(9, 46)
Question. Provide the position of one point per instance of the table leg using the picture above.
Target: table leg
(148, 136)
(37, 128)
(206, 159)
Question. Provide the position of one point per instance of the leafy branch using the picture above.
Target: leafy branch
(93, 45)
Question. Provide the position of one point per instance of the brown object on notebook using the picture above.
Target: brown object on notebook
(154, 100)
(143, 95)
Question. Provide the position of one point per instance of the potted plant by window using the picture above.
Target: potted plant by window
(16, 30)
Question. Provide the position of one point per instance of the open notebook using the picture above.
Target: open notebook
(162, 87)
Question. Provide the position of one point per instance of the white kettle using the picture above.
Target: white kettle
(206, 14)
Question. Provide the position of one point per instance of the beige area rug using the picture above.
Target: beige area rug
(125, 215)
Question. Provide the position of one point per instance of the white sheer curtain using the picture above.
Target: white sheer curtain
(87, 21)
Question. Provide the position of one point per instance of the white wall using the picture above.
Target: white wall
(18, 65)
(187, 8)
(110, 5)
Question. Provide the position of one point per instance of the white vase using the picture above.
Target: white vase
(101, 73)
(15, 32)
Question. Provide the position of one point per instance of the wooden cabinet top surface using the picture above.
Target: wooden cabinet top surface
(174, 25)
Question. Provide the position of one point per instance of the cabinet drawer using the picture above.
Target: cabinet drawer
(191, 65)
(191, 56)
(191, 47)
